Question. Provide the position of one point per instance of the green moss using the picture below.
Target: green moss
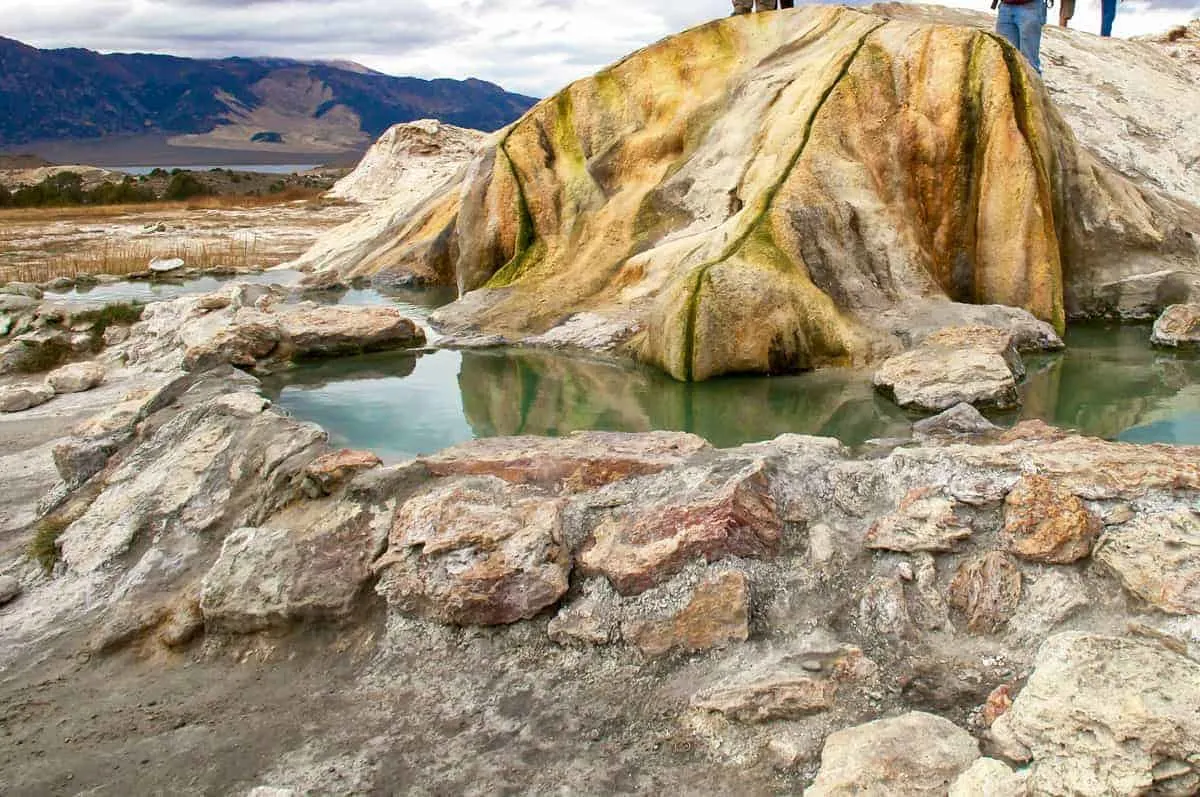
(43, 548)
(519, 263)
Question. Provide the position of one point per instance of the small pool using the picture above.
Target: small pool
(1109, 383)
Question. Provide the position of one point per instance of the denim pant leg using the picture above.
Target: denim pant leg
(1108, 15)
(1031, 19)
(1006, 25)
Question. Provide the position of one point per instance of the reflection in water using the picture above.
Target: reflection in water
(405, 404)
(163, 289)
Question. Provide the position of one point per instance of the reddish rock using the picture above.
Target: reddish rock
(987, 590)
(580, 461)
(772, 698)
(924, 521)
(717, 615)
(998, 703)
(476, 551)
(324, 474)
(708, 515)
(1045, 523)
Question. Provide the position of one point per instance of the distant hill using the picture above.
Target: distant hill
(231, 103)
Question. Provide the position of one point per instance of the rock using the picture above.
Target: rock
(115, 335)
(1104, 715)
(586, 621)
(961, 420)
(1047, 524)
(18, 398)
(76, 378)
(986, 590)
(162, 266)
(26, 289)
(325, 474)
(699, 512)
(1157, 558)
(717, 615)
(10, 588)
(582, 460)
(276, 577)
(340, 330)
(782, 696)
(972, 365)
(36, 351)
(913, 754)
(883, 609)
(988, 777)
(215, 301)
(476, 551)
(242, 339)
(1178, 327)
(924, 521)
(15, 303)
(998, 703)
(1051, 597)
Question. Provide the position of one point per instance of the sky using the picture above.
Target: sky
(529, 46)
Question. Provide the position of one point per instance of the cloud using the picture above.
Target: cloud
(531, 46)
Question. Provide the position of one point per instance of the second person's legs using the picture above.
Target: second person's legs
(767, 5)
(1031, 19)
(1108, 15)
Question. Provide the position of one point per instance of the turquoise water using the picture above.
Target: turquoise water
(1109, 383)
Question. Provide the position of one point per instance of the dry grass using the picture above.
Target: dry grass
(224, 202)
(130, 258)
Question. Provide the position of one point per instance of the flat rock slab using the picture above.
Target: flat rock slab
(1178, 327)
(334, 331)
(781, 696)
(76, 378)
(19, 398)
(701, 511)
(583, 460)
(972, 365)
(924, 521)
(1105, 715)
(913, 754)
(717, 615)
(1157, 558)
(476, 551)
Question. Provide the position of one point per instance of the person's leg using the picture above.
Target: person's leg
(1030, 20)
(1066, 10)
(787, 3)
(743, 6)
(1006, 25)
(767, 5)
(1108, 15)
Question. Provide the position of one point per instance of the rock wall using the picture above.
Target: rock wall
(755, 194)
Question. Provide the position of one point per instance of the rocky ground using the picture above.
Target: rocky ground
(201, 597)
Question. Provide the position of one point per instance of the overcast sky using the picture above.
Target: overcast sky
(531, 46)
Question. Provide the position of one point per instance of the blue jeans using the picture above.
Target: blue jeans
(1108, 14)
(1022, 25)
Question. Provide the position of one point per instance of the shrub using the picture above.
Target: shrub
(43, 548)
(185, 186)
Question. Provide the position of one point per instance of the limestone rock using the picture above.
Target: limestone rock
(76, 378)
(35, 352)
(324, 474)
(1104, 715)
(1051, 597)
(961, 420)
(986, 590)
(699, 512)
(913, 754)
(242, 337)
(269, 577)
(585, 621)
(18, 398)
(924, 521)
(1178, 327)
(977, 365)
(10, 588)
(717, 615)
(1157, 558)
(339, 330)
(476, 551)
(1047, 524)
(582, 460)
(988, 777)
(782, 696)
(15, 303)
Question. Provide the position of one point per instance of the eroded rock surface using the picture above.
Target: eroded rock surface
(979, 366)
(1157, 558)
(1044, 523)
(76, 378)
(1178, 327)
(18, 398)
(716, 615)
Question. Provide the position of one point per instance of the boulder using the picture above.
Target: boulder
(988, 777)
(972, 365)
(716, 615)
(324, 474)
(961, 420)
(274, 577)
(913, 754)
(987, 591)
(18, 398)
(582, 460)
(1105, 715)
(16, 303)
(1157, 558)
(76, 378)
(924, 521)
(1178, 327)
(703, 511)
(780, 696)
(26, 289)
(340, 330)
(476, 551)
(165, 265)
(10, 588)
(1047, 524)
(36, 351)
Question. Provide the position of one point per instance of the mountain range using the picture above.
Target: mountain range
(229, 103)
